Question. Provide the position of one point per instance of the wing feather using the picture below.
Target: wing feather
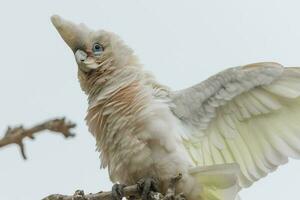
(246, 115)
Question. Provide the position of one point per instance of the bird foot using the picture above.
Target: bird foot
(180, 196)
(147, 185)
(117, 191)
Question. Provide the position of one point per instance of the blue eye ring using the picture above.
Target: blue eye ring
(97, 48)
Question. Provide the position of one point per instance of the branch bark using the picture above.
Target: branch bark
(16, 135)
(130, 192)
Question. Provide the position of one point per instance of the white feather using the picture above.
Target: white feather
(255, 122)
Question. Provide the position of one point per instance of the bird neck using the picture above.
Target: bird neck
(104, 82)
(129, 85)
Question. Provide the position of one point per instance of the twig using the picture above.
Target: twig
(129, 192)
(16, 135)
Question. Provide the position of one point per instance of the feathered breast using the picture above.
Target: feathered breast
(114, 121)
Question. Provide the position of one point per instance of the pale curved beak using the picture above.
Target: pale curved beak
(85, 63)
(80, 56)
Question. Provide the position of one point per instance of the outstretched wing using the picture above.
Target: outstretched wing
(248, 114)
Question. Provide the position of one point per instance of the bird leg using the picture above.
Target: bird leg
(117, 191)
(147, 185)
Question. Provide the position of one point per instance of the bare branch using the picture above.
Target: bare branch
(16, 135)
(130, 192)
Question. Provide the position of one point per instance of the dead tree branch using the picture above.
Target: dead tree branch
(16, 135)
(130, 192)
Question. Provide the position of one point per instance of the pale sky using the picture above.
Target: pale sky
(181, 42)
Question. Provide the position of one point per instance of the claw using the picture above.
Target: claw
(146, 185)
(180, 196)
(117, 191)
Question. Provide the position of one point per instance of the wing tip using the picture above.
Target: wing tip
(262, 65)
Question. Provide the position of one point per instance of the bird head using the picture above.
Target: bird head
(95, 52)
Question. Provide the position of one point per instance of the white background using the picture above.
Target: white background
(182, 42)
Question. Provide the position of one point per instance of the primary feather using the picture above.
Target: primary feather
(222, 134)
(248, 116)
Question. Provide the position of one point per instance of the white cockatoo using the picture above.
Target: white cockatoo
(222, 134)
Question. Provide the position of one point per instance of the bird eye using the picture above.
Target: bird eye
(97, 48)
